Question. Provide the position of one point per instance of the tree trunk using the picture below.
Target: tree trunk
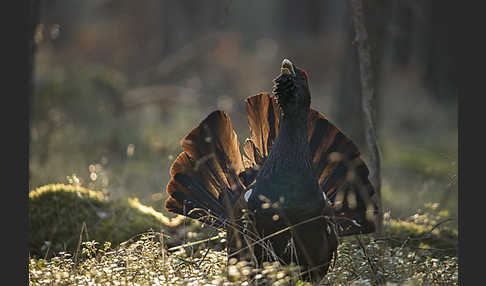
(349, 90)
(368, 92)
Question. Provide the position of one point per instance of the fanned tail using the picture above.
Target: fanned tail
(342, 175)
(336, 160)
(209, 176)
(205, 183)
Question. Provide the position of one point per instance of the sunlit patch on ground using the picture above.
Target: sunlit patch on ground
(399, 258)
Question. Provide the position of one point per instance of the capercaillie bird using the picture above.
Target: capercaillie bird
(300, 184)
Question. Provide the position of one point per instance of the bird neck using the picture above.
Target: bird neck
(290, 154)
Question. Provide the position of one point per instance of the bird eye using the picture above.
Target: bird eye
(304, 74)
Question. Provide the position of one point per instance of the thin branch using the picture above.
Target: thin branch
(219, 236)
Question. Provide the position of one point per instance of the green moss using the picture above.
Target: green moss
(429, 228)
(60, 214)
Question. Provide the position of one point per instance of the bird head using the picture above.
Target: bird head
(291, 88)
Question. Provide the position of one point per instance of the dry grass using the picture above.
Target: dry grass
(362, 260)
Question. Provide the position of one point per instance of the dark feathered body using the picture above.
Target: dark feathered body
(287, 184)
(310, 233)
(300, 183)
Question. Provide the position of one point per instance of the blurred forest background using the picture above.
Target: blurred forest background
(117, 84)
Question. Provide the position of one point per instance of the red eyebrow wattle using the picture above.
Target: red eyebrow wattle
(304, 74)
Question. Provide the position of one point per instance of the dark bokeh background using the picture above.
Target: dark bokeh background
(117, 84)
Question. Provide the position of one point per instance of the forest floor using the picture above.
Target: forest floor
(418, 250)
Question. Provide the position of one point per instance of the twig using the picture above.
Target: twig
(437, 225)
(83, 229)
(219, 236)
(403, 245)
(205, 254)
(378, 279)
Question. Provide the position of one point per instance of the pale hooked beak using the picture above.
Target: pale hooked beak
(287, 67)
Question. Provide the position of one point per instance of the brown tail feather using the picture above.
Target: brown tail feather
(263, 119)
(205, 176)
(342, 174)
